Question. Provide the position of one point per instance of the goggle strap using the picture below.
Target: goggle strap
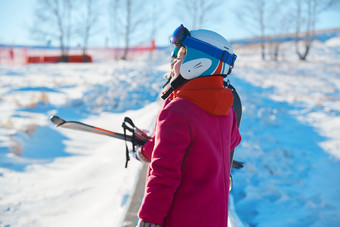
(207, 48)
(234, 59)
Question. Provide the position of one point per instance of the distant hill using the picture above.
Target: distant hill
(321, 35)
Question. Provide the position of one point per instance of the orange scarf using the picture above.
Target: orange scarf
(208, 93)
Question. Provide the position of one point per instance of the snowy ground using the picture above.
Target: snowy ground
(58, 177)
(291, 140)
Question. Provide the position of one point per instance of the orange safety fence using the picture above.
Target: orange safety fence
(28, 55)
(55, 59)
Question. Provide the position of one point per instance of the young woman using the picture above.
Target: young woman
(188, 176)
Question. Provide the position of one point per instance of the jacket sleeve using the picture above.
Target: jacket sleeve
(172, 138)
(235, 134)
(147, 148)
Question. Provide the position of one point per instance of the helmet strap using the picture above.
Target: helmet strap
(167, 82)
(176, 83)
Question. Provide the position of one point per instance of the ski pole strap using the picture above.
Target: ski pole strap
(128, 120)
(131, 129)
(127, 150)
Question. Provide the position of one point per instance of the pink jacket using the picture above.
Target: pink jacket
(188, 177)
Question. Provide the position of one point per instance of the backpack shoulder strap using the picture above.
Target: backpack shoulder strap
(238, 110)
(236, 104)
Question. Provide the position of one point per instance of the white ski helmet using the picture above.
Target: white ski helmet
(207, 53)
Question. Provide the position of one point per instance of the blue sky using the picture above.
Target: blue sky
(16, 16)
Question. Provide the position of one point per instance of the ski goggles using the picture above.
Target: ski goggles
(174, 52)
(182, 37)
(179, 35)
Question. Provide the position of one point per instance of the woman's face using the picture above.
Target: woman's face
(176, 64)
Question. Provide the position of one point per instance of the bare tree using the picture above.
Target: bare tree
(127, 27)
(155, 19)
(279, 24)
(53, 22)
(69, 21)
(129, 19)
(308, 18)
(260, 5)
(198, 12)
(253, 14)
(115, 22)
(88, 19)
(307, 12)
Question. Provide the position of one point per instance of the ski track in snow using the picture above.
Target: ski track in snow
(59, 177)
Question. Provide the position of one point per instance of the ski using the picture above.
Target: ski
(140, 139)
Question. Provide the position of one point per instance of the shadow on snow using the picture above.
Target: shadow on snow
(288, 180)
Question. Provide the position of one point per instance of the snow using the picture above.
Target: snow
(290, 138)
(58, 177)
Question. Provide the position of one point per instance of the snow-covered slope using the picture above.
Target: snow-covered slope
(90, 187)
(58, 177)
(291, 143)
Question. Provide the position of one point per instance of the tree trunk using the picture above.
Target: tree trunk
(127, 29)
